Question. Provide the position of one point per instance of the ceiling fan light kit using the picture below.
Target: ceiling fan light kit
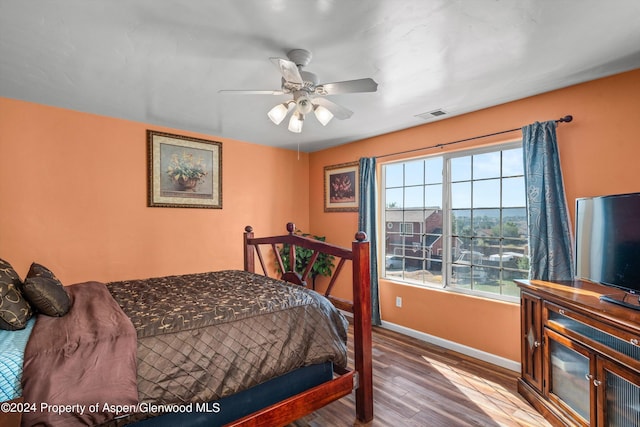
(308, 95)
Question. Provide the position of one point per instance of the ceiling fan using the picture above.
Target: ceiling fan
(308, 94)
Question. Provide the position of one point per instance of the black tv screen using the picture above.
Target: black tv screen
(608, 240)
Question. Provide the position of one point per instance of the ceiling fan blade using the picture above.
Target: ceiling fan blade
(254, 92)
(338, 111)
(347, 86)
(289, 71)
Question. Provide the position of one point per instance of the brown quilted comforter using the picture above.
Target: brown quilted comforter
(206, 336)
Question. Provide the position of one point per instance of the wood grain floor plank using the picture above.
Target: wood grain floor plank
(423, 385)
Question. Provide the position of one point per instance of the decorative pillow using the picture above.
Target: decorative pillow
(39, 270)
(47, 295)
(45, 292)
(14, 308)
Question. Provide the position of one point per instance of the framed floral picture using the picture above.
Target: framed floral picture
(341, 187)
(184, 172)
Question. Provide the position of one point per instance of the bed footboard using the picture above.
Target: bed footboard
(362, 378)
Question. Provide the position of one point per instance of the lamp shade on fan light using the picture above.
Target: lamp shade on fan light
(303, 104)
(323, 115)
(279, 112)
(295, 123)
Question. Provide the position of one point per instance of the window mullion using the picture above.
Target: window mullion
(447, 229)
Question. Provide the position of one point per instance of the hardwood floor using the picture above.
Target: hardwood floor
(422, 385)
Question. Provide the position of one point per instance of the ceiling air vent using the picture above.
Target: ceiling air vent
(431, 114)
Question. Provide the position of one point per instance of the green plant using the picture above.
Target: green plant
(185, 166)
(322, 266)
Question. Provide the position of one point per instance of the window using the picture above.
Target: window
(458, 221)
(406, 228)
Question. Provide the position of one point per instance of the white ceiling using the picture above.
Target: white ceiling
(164, 62)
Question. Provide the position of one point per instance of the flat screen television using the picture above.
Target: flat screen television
(608, 244)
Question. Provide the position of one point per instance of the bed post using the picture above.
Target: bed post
(362, 327)
(249, 251)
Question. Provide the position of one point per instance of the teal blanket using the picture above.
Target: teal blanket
(12, 345)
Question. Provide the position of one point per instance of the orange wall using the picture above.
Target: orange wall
(73, 192)
(73, 196)
(600, 154)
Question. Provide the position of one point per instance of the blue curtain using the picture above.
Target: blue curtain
(367, 223)
(550, 247)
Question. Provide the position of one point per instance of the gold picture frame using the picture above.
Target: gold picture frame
(341, 187)
(184, 172)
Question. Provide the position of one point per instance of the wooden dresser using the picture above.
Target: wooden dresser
(580, 355)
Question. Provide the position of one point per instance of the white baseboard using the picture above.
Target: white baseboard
(451, 345)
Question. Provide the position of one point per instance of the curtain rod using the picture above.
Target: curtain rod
(565, 119)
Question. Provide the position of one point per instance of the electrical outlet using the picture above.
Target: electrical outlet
(398, 301)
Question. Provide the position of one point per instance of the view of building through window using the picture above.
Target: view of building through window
(458, 221)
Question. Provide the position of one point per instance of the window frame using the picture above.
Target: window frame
(447, 260)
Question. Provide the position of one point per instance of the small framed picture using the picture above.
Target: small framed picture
(184, 172)
(341, 187)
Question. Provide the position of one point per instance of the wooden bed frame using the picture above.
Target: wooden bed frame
(345, 380)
